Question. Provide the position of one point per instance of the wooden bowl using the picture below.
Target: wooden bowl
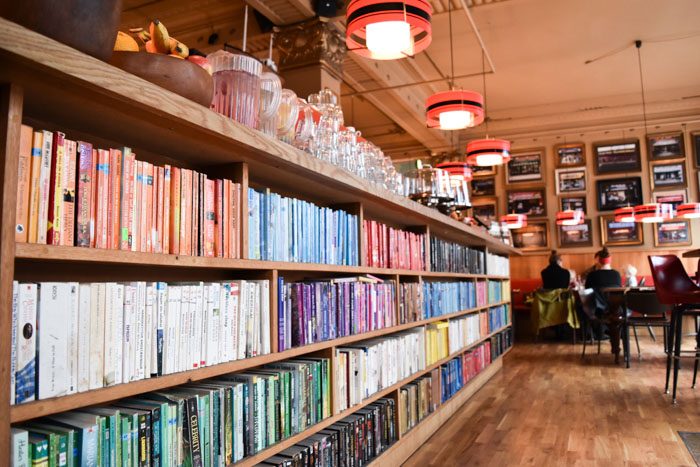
(179, 76)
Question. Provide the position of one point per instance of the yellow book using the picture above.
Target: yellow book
(34, 186)
(23, 172)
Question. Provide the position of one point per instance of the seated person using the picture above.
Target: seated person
(605, 276)
(631, 276)
(555, 276)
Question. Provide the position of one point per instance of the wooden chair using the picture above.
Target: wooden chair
(645, 310)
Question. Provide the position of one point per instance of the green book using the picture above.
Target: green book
(86, 435)
(58, 445)
(126, 460)
(67, 447)
(110, 433)
(39, 450)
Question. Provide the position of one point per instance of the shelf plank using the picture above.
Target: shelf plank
(122, 107)
(69, 254)
(41, 408)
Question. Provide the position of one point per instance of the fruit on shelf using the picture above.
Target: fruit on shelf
(201, 61)
(160, 36)
(178, 48)
(125, 43)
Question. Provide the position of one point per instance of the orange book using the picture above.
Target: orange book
(185, 210)
(127, 200)
(229, 221)
(217, 219)
(136, 207)
(236, 221)
(209, 218)
(143, 208)
(68, 194)
(93, 196)
(115, 186)
(175, 195)
(102, 199)
(23, 181)
(34, 186)
(149, 204)
(158, 210)
(226, 218)
(165, 229)
(198, 219)
(53, 225)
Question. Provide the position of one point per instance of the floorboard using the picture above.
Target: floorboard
(549, 407)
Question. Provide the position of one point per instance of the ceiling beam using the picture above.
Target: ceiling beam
(284, 12)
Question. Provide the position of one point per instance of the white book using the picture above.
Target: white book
(253, 319)
(24, 334)
(128, 334)
(239, 421)
(150, 352)
(114, 334)
(44, 188)
(197, 325)
(118, 304)
(239, 317)
(172, 341)
(13, 351)
(203, 346)
(73, 338)
(162, 306)
(213, 323)
(53, 319)
(225, 337)
(20, 447)
(84, 329)
(140, 332)
(184, 336)
(265, 314)
(97, 334)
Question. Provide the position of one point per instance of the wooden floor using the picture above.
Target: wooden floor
(549, 407)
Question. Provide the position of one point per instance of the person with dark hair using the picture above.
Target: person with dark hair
(605, 275)
(555, 276)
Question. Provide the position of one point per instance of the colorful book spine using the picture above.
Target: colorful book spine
(84, 217)
(67, 226)
(53, 226)
(24, 168)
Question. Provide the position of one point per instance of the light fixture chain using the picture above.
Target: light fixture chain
(638, 43)
(452, 53)
(483, 78)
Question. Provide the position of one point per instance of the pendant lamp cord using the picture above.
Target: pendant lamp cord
(483, 78)
(638, 44)
(452, 53)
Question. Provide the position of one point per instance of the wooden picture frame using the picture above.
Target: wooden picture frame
(485, 171)
(526, 166)
(613, 233)
(575, 236)
(483, 186)
(695, 143)
(613, 193)
(674, 197)
(486, 209)
(620, 156)
(572, 203)
(570, 155)
(668, 175)
(533, 237)
(674, 233)
(665, 146)
(529, 201)
(572, 180)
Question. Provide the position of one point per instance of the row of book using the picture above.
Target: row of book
(319, 310)
(71, 193)
(410, 302)
(354, 441)
(495, 291)
(387, 247)
(436, 341)
(441, 298)
(294, 230)
(372, 365)
(417, 400)
(72, 337)
(501, 342)
(498, 317)
(452, 257)
(497, 265)
(460, 370)
(210, 423)
(465, 330)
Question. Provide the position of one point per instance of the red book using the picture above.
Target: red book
(209, 217)
(138, 193)
(175, 211)
(143, 207)
(93, 196)
(227, 218)
(159, 196)
(186, 212)
(236, 221)
(218, 224)
(102, 199)
(53, 232)
(84, 194)
(127, 200)
(166, 208)
(148, 206)
(114, 210)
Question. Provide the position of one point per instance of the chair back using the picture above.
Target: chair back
(646, 303)
(670, 279)
(587, 299)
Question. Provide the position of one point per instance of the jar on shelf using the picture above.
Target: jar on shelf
(236, 86)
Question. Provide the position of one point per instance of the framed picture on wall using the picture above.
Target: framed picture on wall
(531, 202)
(616, 193)
(526, 166)
(570, 236)
(485, 171)
(676, 233)
(572, 203)
(617, 156)
(570, 180)
(533, 237)
(570, 154)
(613, 233)
(695, 139)
(486, 209)
(485, 186)
(666, 175)
(674, 198)
(666, 146)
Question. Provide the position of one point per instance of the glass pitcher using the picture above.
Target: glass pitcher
(236, 86)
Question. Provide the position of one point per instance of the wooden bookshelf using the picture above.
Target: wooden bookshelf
(42, 80)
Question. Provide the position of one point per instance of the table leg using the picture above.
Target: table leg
(669, 350)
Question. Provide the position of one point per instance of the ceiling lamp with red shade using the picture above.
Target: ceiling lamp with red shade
(653, 213)
(688, 211)
(514, 221)
(388, 30)
(457, 169)
(455, 109)
(625, 214)
(488, 152)
(570, 217)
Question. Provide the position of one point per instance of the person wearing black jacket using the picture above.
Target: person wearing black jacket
(555, 276)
